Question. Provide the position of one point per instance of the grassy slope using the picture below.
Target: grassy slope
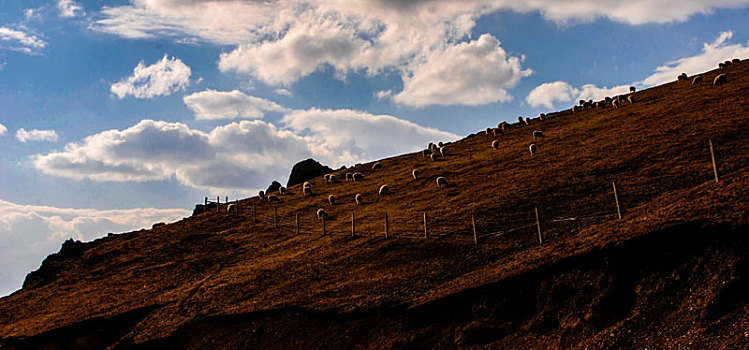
(217, 264)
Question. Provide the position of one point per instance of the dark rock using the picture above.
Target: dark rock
(158, 224)
(306, 170)
(70, 251)
(273, 187)
(199, 209)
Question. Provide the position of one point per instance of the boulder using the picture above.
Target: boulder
(306, 170)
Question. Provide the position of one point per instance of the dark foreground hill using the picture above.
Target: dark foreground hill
(672, 273)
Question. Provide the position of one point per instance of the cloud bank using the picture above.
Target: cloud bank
(159, 79)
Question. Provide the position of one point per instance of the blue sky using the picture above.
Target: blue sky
(108, 108)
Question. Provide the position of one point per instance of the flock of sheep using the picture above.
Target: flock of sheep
(436, 151)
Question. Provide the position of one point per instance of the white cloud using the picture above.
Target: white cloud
(212, 105)
(3, 130)
(70, 8)
(17, 40)
(718, 51)
(159, 79)
(240, 156)
(283, 92)
(547, 94)
(470, 73)
(36, 135)
(28, 233)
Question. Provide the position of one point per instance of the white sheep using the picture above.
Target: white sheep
(442, 151)
(497, 132)
(230, 207)
(489, 131)
(377, 166)
(326, 177)
(631, 98)
(384, 189)
(720, 79)
(321, 213)
(358, 176)
(282, 190)
(306, 191)
(441, 181)
(433, 157)
(415, 173)
(527, 121)
(331, 199)
(538, 134)
(495, 144)
(532, 148)
(520, 119)
(682, 76)
(632, 89)
(615, 103)
(307, 184)
(697, 80)
(261, 194)
(359, 198)
(273, 199)
(349, 176)
(440, 144)
(736, 60)
(426, 152)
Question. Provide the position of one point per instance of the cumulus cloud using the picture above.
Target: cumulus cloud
(718, 51)
(470, 73)
(69, 8)
(213, 105)
(28, 233)
(548, 94)
(159, 79)
(284, 92)
(36, 135)
(3, 130)
(17, 40)
(240, 156)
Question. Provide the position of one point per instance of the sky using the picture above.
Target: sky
(115, 115)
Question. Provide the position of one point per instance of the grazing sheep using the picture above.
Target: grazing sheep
(306, 191)
(721, 65)
(282, 190)
(261, 194)
(426, 153)
(430, 146)
(442, 151)
(504, 126)
(727, 63)
(377, 166)
(384, 189)
(538, 134)
(230, 207)
(274, 199)
(333, 178)
(326, 177)
(720, 79)
(588, 104)
(489, 131)
(736, 60)
(415, 173)
(441, 181)
(682, 76)
(307, 184)
(541, 116)
(520, 119)
(576, 109)
(532, 148)
(631, 98)
(632, 89)
(359, 198)
(697, 80)
(358, 176)
(527, 121)
(600, 104)
(495, 144)
(440, 144)
(621, 98)
(581, 102)
(607, 99)
(349, 176)
(331, 199)
(321, 213)
(433, 157)
(497, 132)
(615, 103)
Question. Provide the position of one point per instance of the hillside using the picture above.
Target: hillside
(672, 273)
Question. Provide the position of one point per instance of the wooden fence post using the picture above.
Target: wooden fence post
(353, 224)
(715, 166)
(323, 225)
(475, 236)
(275, 217)
(616, 199)
(205, 204)
(426, 231)
(387, 226)
(218, 202)
(227, 199)
(296, 219)
(538, 225)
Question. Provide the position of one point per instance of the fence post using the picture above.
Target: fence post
(323, 225)
(715, 166)
(296, 219)
(236, 207)
(425, 226)
(616, 199)
(227, 199)
(275, 217)
(538, 225)
(353, 224)
(475, 236)
(205, 204)
(218, 203)
(387, 226)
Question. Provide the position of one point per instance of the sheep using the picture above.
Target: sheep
(631, 98)
(504, 126)
(430, 146)
(333, 178)
(736, 60)
(632, 89)
(261, 194)
(440, 144)
(274, 199)
(358, 176)
(727, 63)
(306, 191)
(282, 190)
(682, 76)
(697, 80)
(331, 199)
(721, 65)
(541, 116)
(615, 103)
(384, 189)
(415, 173)
(532, 148)
(307, 184)
(588, 104)
(426, 153)
(538, 134)
(441, 181)
(581, 102)
(495, 144)
(497, 132)
(349, 176)
(377, 166)
(520, 119)
(322, 214)
(720, 79)
(326, 177)
(576, 109)
(489, 131)
(607, 99)
(433, 157)
(600, 104)
(442, 151)
(527, 121)
(230, 207)
(359, 198)
(621, 98)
